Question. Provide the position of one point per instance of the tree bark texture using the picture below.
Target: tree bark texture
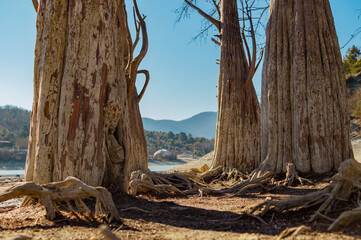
(303, 113)
(83, 123)
(237, 134)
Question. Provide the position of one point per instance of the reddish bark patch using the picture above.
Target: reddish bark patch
(55, 74)
(94, 78)
(62, 164)
(46, 110)
(100, 27)
(74, 120)
(99, 140)
(83, 12)
(97, 55)
(86, 113)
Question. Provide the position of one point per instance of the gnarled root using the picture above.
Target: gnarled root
(292, 175)
(161, 183)
(241, 187)
(195, 181)
(346, 218)
(71, 189)
(293, 232)
(107, 233)
(344, 190)
(220, 174)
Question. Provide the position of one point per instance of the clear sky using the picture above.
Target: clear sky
(183, 73)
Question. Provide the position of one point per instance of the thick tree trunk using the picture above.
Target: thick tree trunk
(83, 123)
(303, 116)
(237, 134)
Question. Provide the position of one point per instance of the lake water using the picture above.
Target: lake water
(11, 173)
(162, 168)
(8, 173)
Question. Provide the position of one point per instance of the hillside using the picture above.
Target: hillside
(200, 125)
(14, 118)
(14, 125)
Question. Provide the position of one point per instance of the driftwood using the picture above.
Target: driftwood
(71, 189)
(345, 190)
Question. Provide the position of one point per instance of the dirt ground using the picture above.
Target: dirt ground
(176, 217)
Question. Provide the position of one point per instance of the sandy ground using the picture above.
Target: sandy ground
(176, 217)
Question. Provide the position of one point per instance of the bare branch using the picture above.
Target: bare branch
(260, 59)
(216, 42)
(146, 73)
(252, 63)
(358, 31)
(244, 35)
(260, 17)
(216, 22)
(137, 29)
(36, 5)
(217, 8)
(136, 61)
(129, 42)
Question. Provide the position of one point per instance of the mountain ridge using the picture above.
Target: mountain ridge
(200, 125)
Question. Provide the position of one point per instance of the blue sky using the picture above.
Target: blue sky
(183, 73)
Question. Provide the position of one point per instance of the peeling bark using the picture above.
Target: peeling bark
(303, 115)
(82, 122)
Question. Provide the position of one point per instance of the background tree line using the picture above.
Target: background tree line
(178, 143)
(352, 66)
(352, 61)
(14, 126)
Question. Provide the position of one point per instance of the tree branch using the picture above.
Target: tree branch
(146, 73)
(137, 29)
(36, 5)
(129, 42)
(136, 61)
(260, 59)
(244, 35)
(205, 15)
(216, 42)
(217, 8)
(252, 63)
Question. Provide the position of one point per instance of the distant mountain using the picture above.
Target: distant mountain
(200, 125)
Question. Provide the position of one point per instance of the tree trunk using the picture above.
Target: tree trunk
(237, 134)
(303, 115)
(83, 122)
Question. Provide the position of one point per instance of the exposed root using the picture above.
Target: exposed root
(239, 188)
(346, 218)
(256, 217)
(293, 232)
(162, 183)
(69, 190)
(345, 190)
(292, 175)
(134, 208)
(107, 233)
(223, 175)
(229, 181)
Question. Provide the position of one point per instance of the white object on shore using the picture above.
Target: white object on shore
(162, 153)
